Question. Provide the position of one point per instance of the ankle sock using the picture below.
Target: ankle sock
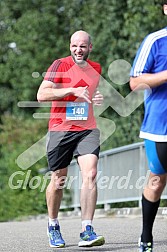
(86, 223)
(53, 222)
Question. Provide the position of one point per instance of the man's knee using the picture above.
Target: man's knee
(58, 180)
(157, 183)
(90, 177)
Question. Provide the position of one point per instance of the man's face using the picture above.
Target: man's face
(80, 49)
(165, 8)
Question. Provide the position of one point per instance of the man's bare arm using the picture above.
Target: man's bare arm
(49, 92)
(147, 80)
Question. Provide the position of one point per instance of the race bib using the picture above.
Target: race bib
(77, 110)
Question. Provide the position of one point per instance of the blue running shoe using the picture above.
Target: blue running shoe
(55, 238)
(89, 238)
(145, 246)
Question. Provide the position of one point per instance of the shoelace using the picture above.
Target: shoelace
(91, 232)
(148, 248)
(55, 233)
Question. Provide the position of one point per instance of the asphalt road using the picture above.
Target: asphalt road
(121, 234)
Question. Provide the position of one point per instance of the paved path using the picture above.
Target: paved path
(121, 234)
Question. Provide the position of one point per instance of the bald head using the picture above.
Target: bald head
(81, 35)
(80, 47)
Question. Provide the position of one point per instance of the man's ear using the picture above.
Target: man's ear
(90, 47)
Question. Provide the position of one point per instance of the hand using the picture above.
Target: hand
(98, 98)
(82, 92)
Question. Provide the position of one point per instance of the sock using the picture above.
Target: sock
(53, 222)
(85, 223)
(149, 211)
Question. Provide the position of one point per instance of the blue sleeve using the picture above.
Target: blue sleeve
(144, 59)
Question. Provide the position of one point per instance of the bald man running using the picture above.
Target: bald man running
(71, 85)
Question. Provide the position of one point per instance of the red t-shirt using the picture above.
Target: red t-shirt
(64, 73)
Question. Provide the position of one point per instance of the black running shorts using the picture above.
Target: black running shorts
(62, 146)
(157, 156)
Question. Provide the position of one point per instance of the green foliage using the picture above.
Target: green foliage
(17, 194)
(163, 203)
(33, 34)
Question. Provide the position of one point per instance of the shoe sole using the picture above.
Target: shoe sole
(98, 242)
(58, 246)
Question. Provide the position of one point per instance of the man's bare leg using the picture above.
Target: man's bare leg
(54, 192)
(54, 195)
(88, 197)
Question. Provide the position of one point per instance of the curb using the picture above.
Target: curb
(114, 212)
(128, 212)
(100, 213)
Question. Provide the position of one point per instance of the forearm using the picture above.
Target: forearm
(49, 92)
(148, 80)
(52, 94)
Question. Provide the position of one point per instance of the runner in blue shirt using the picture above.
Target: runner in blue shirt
(149, 72)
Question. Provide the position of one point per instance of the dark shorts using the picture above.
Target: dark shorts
(63, 146)
(157, 156)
